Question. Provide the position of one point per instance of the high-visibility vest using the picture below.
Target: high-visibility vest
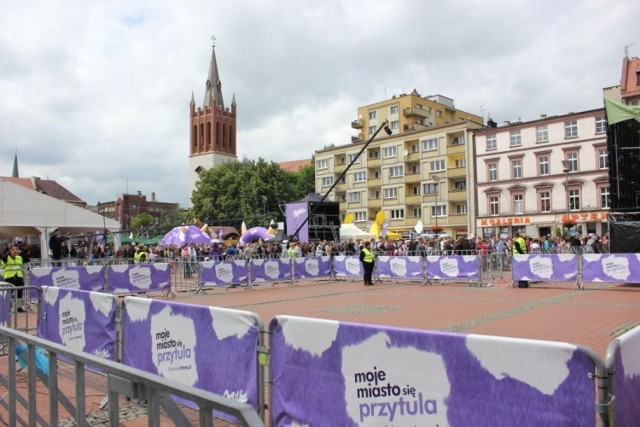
(13, 267)
(521, 243)
(139, 256)
(368, 255)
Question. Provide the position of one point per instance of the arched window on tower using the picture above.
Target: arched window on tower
(194, 139)
(231, 141)
(217, 135)
(224, 136)
(208, 145)
(201, 137)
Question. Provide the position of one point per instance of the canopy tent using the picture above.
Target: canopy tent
(25, 212)
(350, 231)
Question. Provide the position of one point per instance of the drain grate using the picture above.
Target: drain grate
(364, 309)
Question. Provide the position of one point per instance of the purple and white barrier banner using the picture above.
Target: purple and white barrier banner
(336, 373)
(224, 273)
(311, 267)
(616, 268)
(143, 277)
(214, 349)
(80, 320)
(270, 269)
(347, 266)
(403, 267)
(86, 278)
(623, 360)
(449, 267)
(545, 267)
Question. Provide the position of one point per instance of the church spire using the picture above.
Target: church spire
(213, 91)
(15, 173)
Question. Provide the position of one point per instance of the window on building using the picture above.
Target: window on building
(545, 201)
(571, 129)
(429, 144)
(572, 157)
(360, 176)
(415, 190)
(574, 199)
(605, 197)
(394, 125)
(390, 193)
(461, 209)
(603, 158)
(492, 142)
(515, 138)
(494, 205)
(437, 165)
(415, 168)
(373, 115)
(396, 171)
(417, 212)
(440, 210)
(542, 133)
(350, 158)
(372, 130)
(397, 213)
(431, 188)
(389, 152)
(461, 163)
(457, 140)
(543, 165)
(516, 169)
(393, 110)
(460, 185)
(601, 124)
(353, 197)
(327, 181)
(518, 204)
(360, 216)
(493, 171)
(322, 164)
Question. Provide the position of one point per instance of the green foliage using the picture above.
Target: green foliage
(143, 221)
(249, 191)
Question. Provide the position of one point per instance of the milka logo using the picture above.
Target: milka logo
(299, 212)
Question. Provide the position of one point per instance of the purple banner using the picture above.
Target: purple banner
(214, 349)
(545, 267)
(270, 269)
(342, 374)
(5, 303)
(311, 267)
(404, 267)
(224, 273)
(453, 267)
(347, 266)
(86, 278)
(144, 277)
(616, 268)
(626, 377)
(80, 320)
(296, 214)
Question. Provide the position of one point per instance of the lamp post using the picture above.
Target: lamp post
(436, 178)
(264, 205)
(566, 167)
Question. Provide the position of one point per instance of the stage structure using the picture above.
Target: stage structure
(314, 219)
(623, 145)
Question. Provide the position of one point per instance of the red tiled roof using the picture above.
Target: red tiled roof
(294, 165)
(48, 187)
(630, 70)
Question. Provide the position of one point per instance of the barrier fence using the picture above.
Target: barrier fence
(322, 372)
(480, 270)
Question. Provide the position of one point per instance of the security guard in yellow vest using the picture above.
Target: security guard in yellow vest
(519, 246)
(140, 255)
(368, 261)
(13, 271)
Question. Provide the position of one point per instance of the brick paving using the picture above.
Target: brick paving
(548, 311)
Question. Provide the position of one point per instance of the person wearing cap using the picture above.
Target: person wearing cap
(13, 272)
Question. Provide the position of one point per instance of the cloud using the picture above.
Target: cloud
(96, 94)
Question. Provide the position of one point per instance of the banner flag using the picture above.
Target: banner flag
(404, 267)
(86, 278)
(614, 268)
(224, 273)
(143, 277)
(545, 267)
(332, 373)
(453, 267)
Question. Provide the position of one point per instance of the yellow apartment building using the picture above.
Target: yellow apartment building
(423, 171)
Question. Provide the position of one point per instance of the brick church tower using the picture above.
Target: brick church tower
(212, 131)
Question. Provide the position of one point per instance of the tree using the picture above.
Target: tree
(142, 222)
(249, 191)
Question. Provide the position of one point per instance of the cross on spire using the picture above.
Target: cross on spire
(213, 41)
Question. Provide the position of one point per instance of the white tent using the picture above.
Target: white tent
(25, 212)
(350, 231)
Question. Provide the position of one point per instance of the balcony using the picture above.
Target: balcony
(338, 169)
(415, 111)
(458, 219)
(375, 182)
(458, 196)
(374, 203)
(413, 156)
(413, 177)
(456, 172)
(356, 124)
(456, 149)
(374, 162)
(413, 199)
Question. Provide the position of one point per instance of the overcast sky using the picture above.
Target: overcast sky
(95, 94)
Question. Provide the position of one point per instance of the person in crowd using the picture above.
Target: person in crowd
(519, 246)
(55, 245)
(13, 273)
(368, 262)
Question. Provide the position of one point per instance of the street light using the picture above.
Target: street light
(436, 178)
(264, 205)
(566, 167)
